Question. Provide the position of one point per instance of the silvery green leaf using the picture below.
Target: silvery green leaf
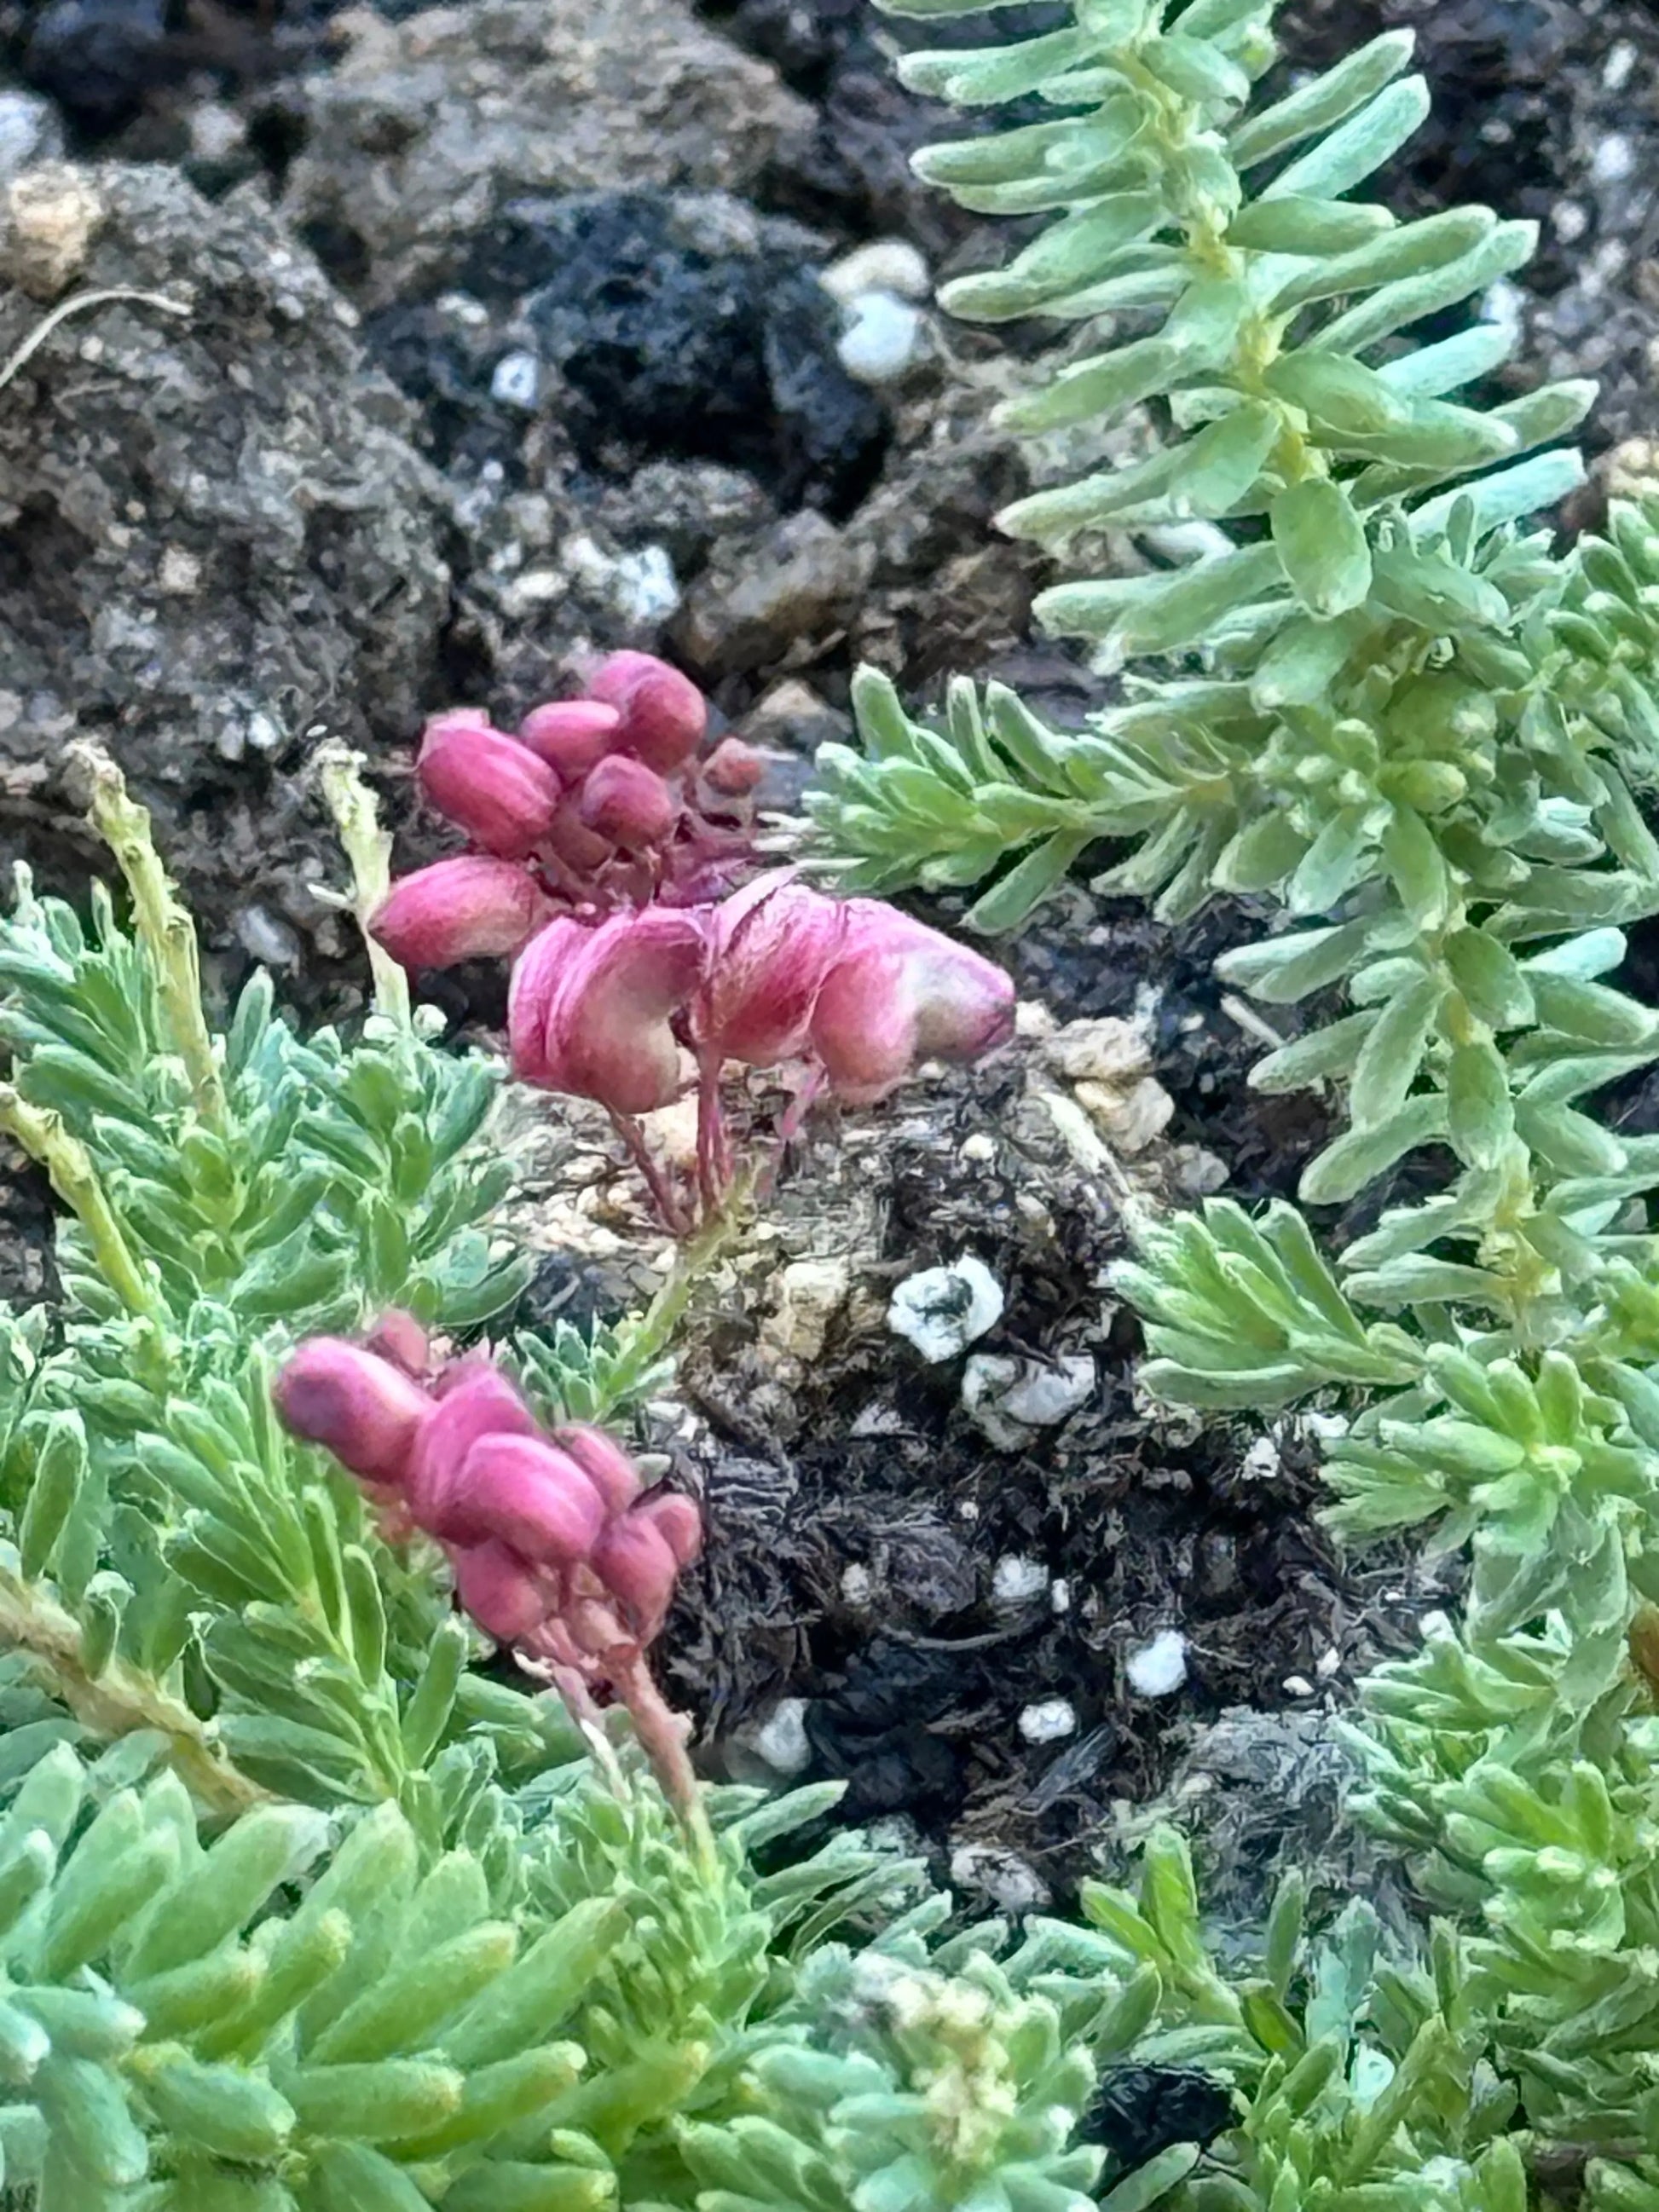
(1309, 1061)
(1158, 617)
(1286, 969)
(1437, 438)
(1328, 870)
(1301, 226)
(1260, 855)
(1508, 495)
(1026, 883)
(1428, 589)
(1326, 101)
(1336, 391)
(1393, 1055)
(1321, 543)
(1480, 1110)
(1505, 249)
(1398, 256)
(1106, 384)
(1036, 149)
(1344, 1168)
(1493, 981)
(1434, 370)
(1070, 253)
(1358, 147)
(1197, 69)
(1304, 660)
(1205, 476)
(982, 77)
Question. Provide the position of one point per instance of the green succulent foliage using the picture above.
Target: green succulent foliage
(346, 1176)
(592, 1374)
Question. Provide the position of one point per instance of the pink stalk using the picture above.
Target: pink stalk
(670, 1212)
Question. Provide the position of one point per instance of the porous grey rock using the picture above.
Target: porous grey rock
(216, 540)
(425, 126)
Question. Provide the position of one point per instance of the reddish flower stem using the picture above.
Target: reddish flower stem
(670, 1213)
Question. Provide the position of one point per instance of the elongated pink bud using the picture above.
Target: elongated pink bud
(492, 787)
(466, 908)
(664, 714)
(571, 735)
(637, 1565)
(500, 1591)
(772, 943)
(522, 1491)
(603, 1460)
(626, 801)
(366, 1411)
(901, 994)
(734, 768)
(474, 1400)
(676, 1520)
(589, 1010)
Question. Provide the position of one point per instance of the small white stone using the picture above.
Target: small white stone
(882, 338)
(1329, 1663)
(980, 1147)
(1010, 1398)
(1505, 304)
(1298, 1685)
(810, 1293)
(1620, 61)
(1614, 160)
(1327, 1427)
(517, 381)
(780, 1741)
(1049, 1721)
(857, 1586)
(885, 265)
(1262, 1462)
(1015, 1581)
(1158, 1669)
(942, 1310)
(268, 937)
(1059, 1596)
(1010, 1884)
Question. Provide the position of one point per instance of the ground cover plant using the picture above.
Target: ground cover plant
(304, 1903)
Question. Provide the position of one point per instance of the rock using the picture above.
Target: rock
(882, 339)
(1109, 1060)
(1012, 1883)
(777, 1742)
(217, 539)
(1017, 1582)
(792, 714)
(781, 597)
(424, 127)
(810, 1293)
(1009, 1398)
(97, 59)
(30, 132)
(884, 264)
(1050, 1720)
(684, 506)
(689, 327)
(48, 217)
(1158, 1668)
(941, 1311)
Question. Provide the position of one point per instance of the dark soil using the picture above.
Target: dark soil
(504, 343)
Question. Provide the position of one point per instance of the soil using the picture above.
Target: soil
(478, 338)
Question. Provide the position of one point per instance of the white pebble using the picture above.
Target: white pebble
(857, 1585)
(942, 1310)
(1009, 1882)
(1049, 1721)
(885, 265)
(1016, 1581)
(1262, 1462)
(881, 338)
(1159, 1668)
(779, 1740)
(1297, 1685)
(517, 381)
(1614, 160)
(1060, 1598)
(1328, 1664)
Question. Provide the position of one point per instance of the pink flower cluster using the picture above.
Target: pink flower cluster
(556, 1549)
(595, 803)
(605, 873)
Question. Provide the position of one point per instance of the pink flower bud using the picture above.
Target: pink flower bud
(629, 803)
(589, 1010)
(603, 1460)
(500, 1590)
(676, 1518)
(571, 735)
(365, 1411)
(521, 1490)
(398, 1337)
(637, 1565)
(901, 994)
(474, 1400)
(734, 768)
(460, 909)
(773, 944)
(664, 714)
(492, 787)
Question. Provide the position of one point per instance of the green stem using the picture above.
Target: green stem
(165, 928)
(121, 1700)
(650, 1336)
(41, 1134)
(369, 850)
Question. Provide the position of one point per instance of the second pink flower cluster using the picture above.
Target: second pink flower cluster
(555, 1548)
